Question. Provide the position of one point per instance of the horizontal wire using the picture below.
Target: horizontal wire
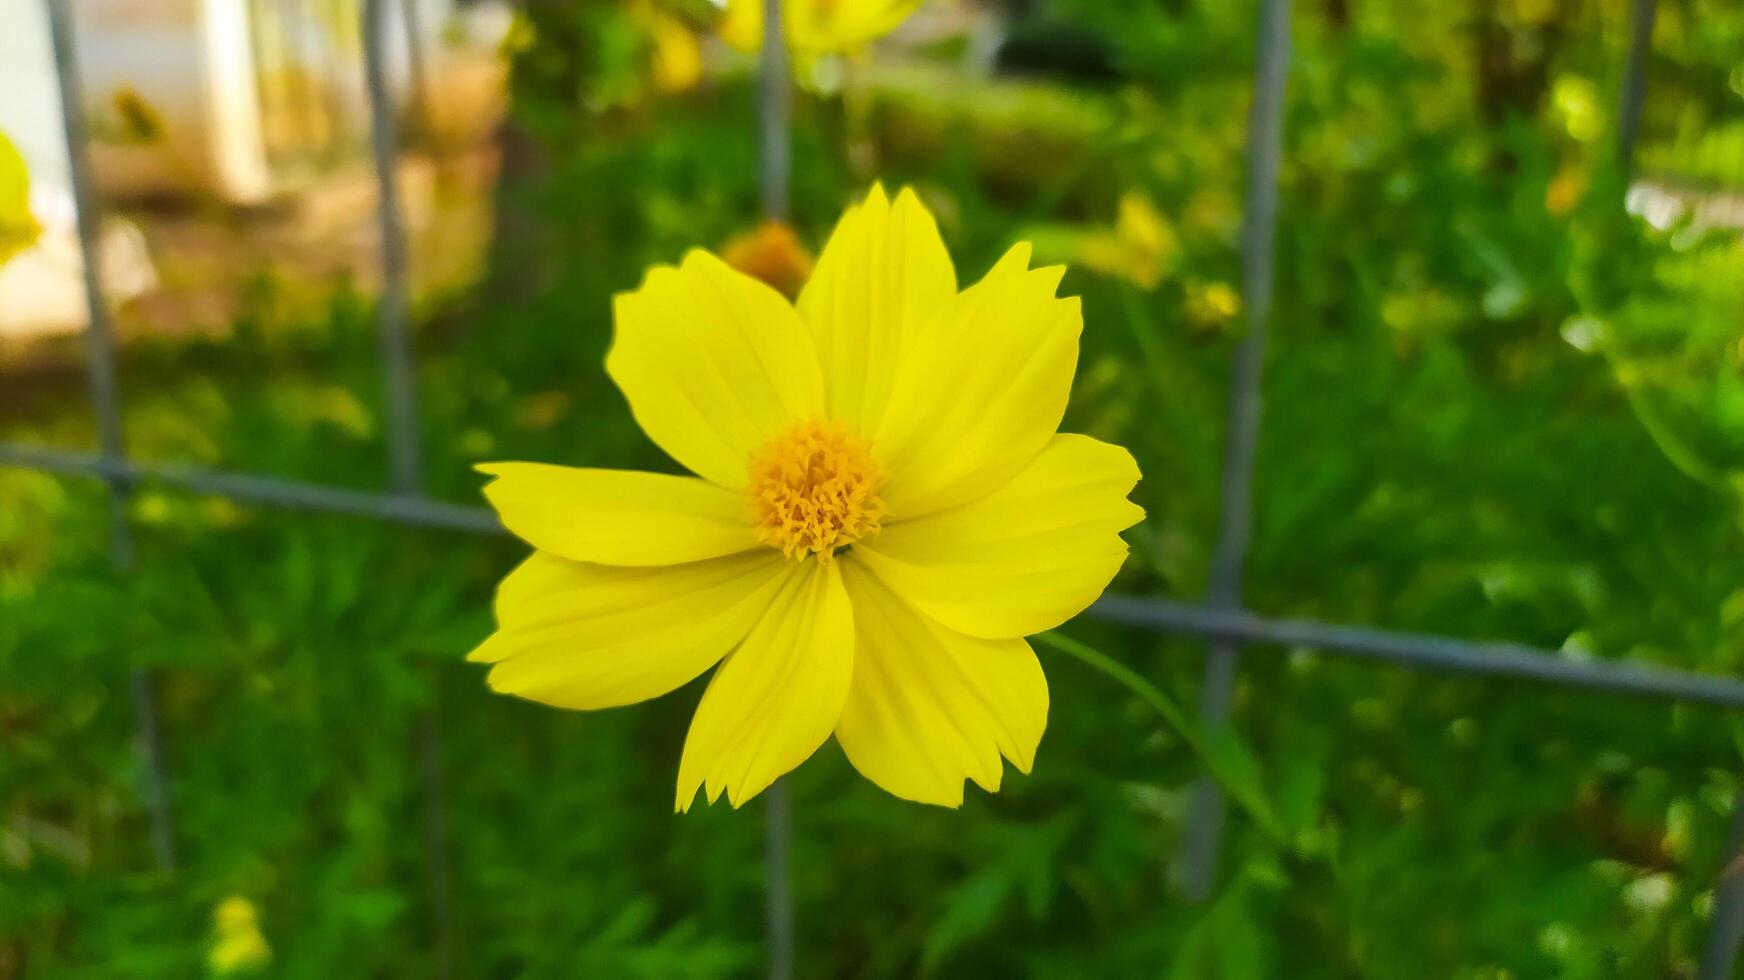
(1421, 650)
(397, 508)
(1159, 615)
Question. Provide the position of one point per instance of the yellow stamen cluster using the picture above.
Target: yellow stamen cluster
(815, 489)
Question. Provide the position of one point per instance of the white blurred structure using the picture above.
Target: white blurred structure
(237, 102)
(244, 99)
(1663, 205)
(42, 289)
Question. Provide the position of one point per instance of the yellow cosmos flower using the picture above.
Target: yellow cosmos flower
(816, 26)
(882, 510)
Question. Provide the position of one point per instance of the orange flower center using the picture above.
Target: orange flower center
(814, 489)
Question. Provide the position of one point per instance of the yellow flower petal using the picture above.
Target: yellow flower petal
(618, 517)
(712, 363)
(983, 392)
(816, 26)
(778, 697)
(882, 275)
(930, 706)
(1025, 558)
(588, 636)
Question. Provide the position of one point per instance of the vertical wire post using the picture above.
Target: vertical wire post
(1265, 140)
(406, 465)
(1726, 929)
(1634, 95)
(775, 110)
(778, 880)
(393, 332)
(412, 21)
(775, 164)
(106, 406)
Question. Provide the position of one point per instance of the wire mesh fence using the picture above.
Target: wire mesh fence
(1222, 620)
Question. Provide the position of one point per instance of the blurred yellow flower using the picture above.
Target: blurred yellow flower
(543, 410)
(1139, 249)
(677, 57)
(882, 511)
(239, 946)
(1565, 189)
(1212, 305)
(18, 227)
(817, 26)
(1577, 104)
(770, 253)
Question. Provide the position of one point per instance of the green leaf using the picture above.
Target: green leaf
(971, 909)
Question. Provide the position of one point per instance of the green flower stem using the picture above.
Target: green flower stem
(1680, 454)
(1224, 759)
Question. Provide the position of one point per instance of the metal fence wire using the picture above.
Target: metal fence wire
(1221, 620)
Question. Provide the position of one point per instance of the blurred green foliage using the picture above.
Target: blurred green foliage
(1497, 407)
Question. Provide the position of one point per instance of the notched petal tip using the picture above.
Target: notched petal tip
(1015, 264)
(482, 654)
(952, 800)
(1015, 261)
(1135, 516)
(690, 785)
(1124, 471)
(909, 207)
(1013, 271)
(494, 679)
(697, 255)
(623, 299)
(712, 795)
(1024, 757)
